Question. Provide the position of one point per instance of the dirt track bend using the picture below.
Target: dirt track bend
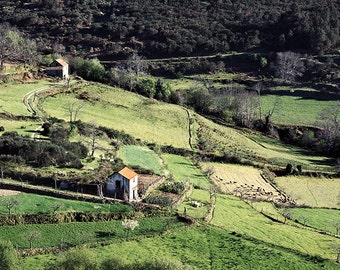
(30, 99)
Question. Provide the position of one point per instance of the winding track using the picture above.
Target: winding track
(30, 97)
(29, 100)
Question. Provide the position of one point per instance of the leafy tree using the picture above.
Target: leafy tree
(200, 99)
(59, 134)
(146, 87)
(89, 69)
(8, 256)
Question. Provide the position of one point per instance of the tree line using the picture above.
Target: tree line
(161, 28)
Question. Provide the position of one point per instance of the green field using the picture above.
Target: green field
(206, 248)
(183, 170)
(295, 110)
(134, 155)
(148, 120)
(78, 233)
(327, 220)
(234, 215)
(12, 95)
(164, 124)
(200, 196)
(311, 191)
(33, 203)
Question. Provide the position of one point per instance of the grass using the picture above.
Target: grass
(236, 216)
(183, 170)
(206, 248)
(33, 203)
(11, 96)
(314, 192)
(160, 123)
(228, 177)
(134, 155)
(197, 195)
(322, 219)
(22, 127)
(149, 120)
(295, 110)
(257, 149)
(78, 233)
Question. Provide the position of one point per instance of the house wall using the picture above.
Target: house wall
(129, 186)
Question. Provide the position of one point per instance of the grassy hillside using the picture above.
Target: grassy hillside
(235, 215)
(167, 124)
(143, 157)
(311, 191)
(184, 171)
(140, 117)
(207, 248)
(32, 203)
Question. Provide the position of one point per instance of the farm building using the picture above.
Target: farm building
(123, 184)
(58, 68)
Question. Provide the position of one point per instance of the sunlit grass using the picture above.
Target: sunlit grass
(184, 171)
(234, 215)
(311, 191)
(134, 155)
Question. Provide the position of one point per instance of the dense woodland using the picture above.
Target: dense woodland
(161, 28)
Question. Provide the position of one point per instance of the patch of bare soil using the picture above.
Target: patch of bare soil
(7, 192)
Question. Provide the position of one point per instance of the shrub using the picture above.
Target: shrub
(8, 257)
(160, 200)
(75, 259)
(173, 187)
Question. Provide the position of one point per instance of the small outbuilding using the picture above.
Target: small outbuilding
(58, 68)
(123, 184)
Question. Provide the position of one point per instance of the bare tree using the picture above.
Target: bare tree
(14, 47)
(100, 176)
(336, 224)
(288, 66)
(330, 124)
(73, 109)
(32, 236)
(136, 64)
(270, 113)
(336, 248)
(304, 219)
(10, 203)
(286, 213)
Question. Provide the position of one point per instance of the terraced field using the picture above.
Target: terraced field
(242, 181)
(314, 192)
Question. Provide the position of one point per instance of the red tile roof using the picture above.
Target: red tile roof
(127, 173)
(61, 62)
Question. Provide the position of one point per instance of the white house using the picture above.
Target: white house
(58, 68)
(123, 184)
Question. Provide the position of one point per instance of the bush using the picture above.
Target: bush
(8, 256)
(75, 259)
(173, 187)
(160, 200)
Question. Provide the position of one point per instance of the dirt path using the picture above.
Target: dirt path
(7, 192)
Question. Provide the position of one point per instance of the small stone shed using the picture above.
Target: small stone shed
(123, 184)
(58, 68)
